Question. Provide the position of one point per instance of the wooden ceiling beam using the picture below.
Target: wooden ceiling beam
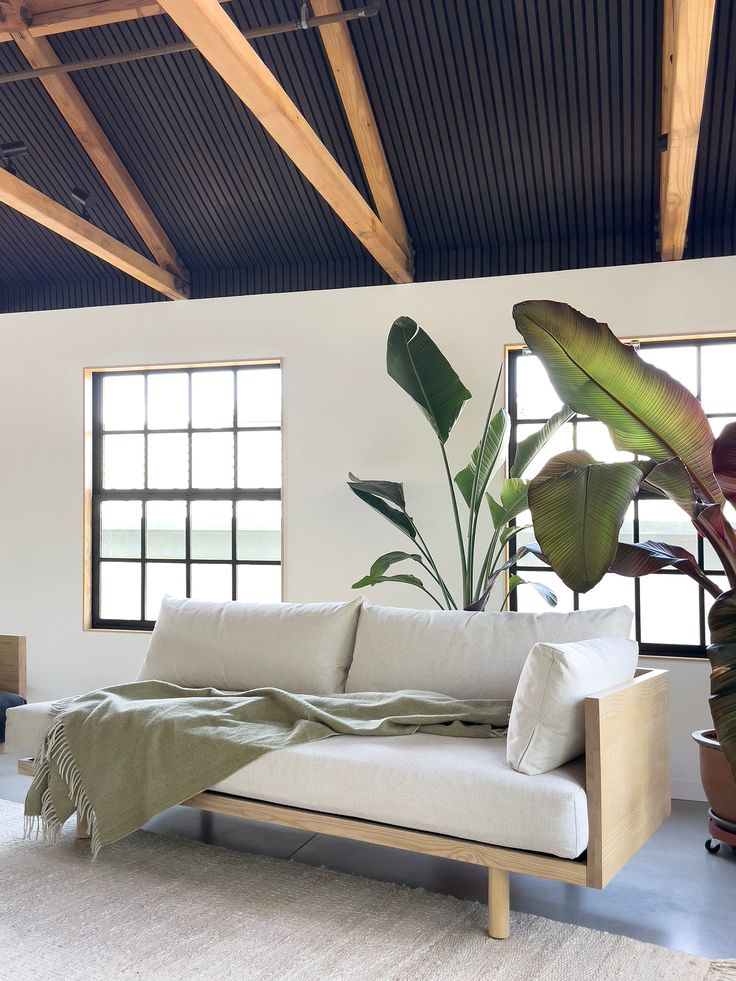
(29, 201)
(39, 53)
(354, 95)
(77, 16)
(688, 29)
(218, 39)
(13, 17)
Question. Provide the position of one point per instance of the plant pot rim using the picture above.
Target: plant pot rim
(707, 737)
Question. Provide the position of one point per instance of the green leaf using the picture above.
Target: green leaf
(547, 594)
(386, 497)
(491, 452)
(391, 490)
(416, 364)
(722, 654)
(578, 507)
(513, 501)
(724, 461)
(508, 533)
(390, 558)
(529, 447)
(645, 558)
(645, 409)
(563, 462)
(673, 480)
(376, 580)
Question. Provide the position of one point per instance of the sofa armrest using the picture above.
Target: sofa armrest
(627, 770)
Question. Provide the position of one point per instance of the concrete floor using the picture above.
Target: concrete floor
(672, 893)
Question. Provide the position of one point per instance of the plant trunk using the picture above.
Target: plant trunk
(723, 698)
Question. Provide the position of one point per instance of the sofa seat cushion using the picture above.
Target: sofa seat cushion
(454, 786)
(466, 655)
(299, 647)
(25, 727)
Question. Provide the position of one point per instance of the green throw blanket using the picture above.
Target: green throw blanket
(118, 756)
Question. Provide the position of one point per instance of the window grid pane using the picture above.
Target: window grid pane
(701, 365)
(169, 513)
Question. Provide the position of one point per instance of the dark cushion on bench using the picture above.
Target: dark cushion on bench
(7, 700)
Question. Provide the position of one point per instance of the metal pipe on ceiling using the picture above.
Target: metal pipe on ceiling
(271, 30)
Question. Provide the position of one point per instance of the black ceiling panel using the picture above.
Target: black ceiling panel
(514, 123)
(522, 136)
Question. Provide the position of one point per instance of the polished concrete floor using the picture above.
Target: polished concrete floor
(672, 893)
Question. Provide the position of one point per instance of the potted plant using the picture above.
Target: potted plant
(415, 362)
(578, 504)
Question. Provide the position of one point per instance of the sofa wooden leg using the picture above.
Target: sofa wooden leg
(498, 904)
(82, 828)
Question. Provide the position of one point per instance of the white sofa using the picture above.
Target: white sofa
(461, 797)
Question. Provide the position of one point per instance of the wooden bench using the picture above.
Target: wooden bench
(13, 664)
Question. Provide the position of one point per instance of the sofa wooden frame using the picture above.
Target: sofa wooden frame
(627, 785)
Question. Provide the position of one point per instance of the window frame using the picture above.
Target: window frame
(95, 494)
(647, 649)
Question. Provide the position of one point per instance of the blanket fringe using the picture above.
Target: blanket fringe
(56, 749)
(722, 970)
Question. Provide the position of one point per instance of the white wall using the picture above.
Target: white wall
(341, 413)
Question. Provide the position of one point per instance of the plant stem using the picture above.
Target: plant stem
(728, 560)
(486, 568)
(437, 578)
(467, 588)
(474, 504)
(433, 570)
(433, 598)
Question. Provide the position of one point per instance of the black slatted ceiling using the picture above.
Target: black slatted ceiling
(115, 288)
(522, 137)
(538, 121)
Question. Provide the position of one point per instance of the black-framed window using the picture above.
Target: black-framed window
(670, 609)
(186, 476)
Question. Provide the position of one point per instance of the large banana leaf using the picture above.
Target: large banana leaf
(578, 507)
(645, 558)
(645, 409)
(724, 461)
(416, 363)
(529, 447)
(673, 480)
(722, 654)
(386, 497)
(486, 459)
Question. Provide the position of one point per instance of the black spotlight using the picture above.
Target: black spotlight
(83, 199)
(9, 152)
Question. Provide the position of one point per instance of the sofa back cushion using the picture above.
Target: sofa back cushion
(466, 655)
(299, 647)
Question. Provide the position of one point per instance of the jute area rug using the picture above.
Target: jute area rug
(155, 907)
